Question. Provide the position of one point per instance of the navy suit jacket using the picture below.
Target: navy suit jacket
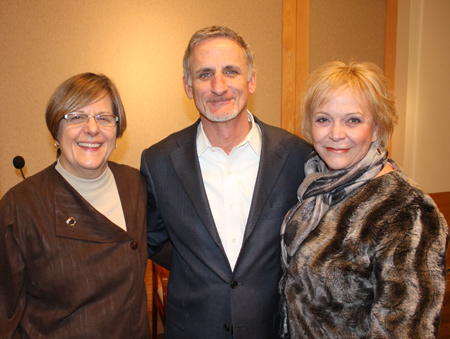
(206, 299)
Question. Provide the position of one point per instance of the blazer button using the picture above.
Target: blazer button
(234, 284)
(134, 245)
(226, 327)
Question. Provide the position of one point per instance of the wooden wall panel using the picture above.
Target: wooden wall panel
(295, 60)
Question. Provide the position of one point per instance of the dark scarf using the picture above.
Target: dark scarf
(320, 190)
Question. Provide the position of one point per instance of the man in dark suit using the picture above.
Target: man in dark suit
(219, 190)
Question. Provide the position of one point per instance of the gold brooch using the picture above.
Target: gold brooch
(71, 221)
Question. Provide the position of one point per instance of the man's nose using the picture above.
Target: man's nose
(219, 84)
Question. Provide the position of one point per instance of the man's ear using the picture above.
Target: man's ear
(252, 83)
(187, 89)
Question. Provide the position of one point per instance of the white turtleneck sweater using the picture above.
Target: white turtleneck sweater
(100, 192)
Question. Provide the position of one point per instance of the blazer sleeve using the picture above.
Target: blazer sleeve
(157, 235)
(12, 270)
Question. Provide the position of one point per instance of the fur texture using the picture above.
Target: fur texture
(373, 268)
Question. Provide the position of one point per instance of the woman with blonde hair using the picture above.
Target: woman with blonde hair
(363, 251)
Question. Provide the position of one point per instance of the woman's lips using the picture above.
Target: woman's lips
(89, 144)
(337, 150)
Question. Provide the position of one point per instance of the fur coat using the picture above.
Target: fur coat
(374, 267)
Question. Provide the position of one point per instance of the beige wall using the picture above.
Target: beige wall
(346, 30)
(354, 29)
(139, 44)
(421, 141)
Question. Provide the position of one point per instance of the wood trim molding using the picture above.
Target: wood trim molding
(390, 46)
(295, 61)
(390, 41)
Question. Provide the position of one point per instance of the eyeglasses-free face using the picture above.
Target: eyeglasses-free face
(342, 130)
(78, 118)
(220, 86)
(86, 144)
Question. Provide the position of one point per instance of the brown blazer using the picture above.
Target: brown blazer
(72, 281)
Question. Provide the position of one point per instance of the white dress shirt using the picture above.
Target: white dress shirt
(229, 182)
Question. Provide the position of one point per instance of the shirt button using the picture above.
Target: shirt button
(234, 284)
(134, 245)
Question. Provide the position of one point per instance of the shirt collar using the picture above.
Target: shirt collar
(253, 137)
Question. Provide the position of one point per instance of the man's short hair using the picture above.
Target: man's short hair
(213, 32)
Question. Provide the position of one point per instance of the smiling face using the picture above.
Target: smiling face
(85, 149)
(220, 86)
(342, 131)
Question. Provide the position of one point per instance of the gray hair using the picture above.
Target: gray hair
(213, 32)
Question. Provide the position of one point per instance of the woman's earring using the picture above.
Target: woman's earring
(115, 147)
(56, 145)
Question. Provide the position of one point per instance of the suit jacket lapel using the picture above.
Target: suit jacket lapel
(187, 167)
(271, 163)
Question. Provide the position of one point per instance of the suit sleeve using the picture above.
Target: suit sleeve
(12, 271)
(157, 235)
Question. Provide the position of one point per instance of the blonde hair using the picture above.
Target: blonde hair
(366, 81)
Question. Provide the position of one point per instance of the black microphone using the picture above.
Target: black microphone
(19, 163)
